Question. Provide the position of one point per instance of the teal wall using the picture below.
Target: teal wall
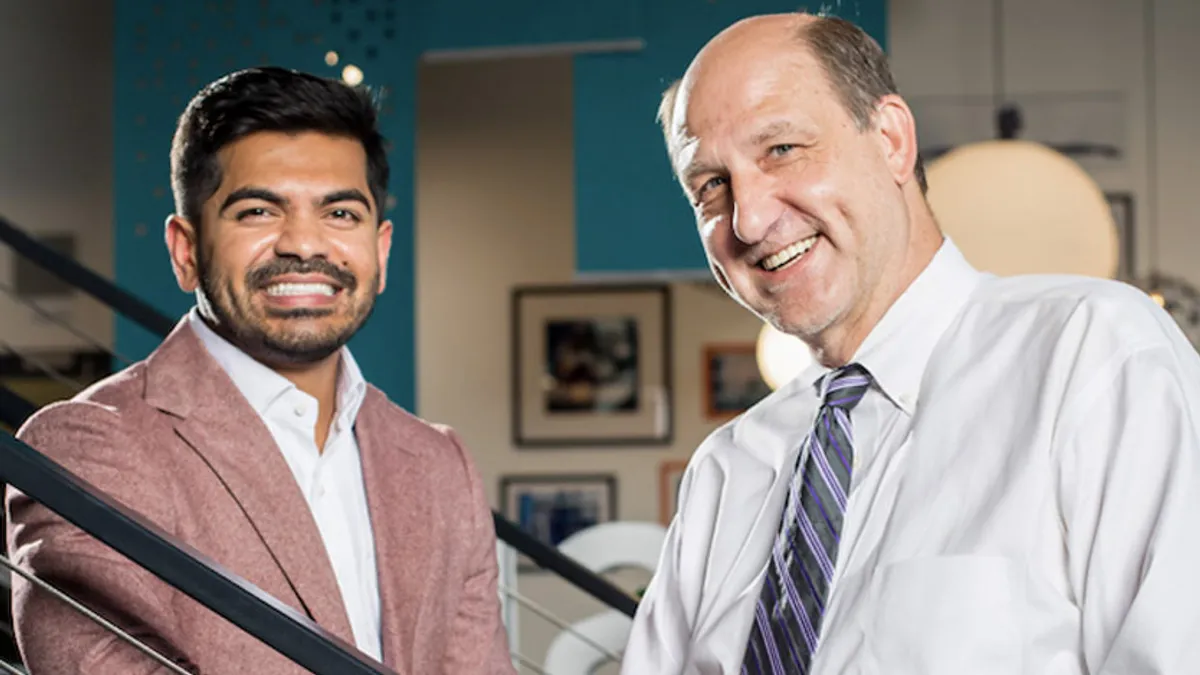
(630, 216)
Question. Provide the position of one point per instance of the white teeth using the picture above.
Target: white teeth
(300, 289)
(774, 262)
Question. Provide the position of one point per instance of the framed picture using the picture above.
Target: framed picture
(553, 507)
(591, 365)
(670, 473)
(732, 381)
(1122, 207)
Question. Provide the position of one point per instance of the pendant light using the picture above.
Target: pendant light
(1019, 207)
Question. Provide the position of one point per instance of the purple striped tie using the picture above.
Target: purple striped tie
(787, 619)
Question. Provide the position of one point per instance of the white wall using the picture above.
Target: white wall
(56, 150)
(495, 204)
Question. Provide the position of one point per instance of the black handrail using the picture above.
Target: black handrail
(83, 278)
(134, 308)
(550, 558)
(244, 604)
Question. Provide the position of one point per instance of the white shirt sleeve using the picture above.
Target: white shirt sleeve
(661, 630)
(1130, 479)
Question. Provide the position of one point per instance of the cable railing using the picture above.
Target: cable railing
(64, 325)
(264, 612)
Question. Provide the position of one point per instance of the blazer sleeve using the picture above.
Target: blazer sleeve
(478, 641)
(89, 440)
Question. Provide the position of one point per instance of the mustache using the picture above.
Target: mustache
(260, 277)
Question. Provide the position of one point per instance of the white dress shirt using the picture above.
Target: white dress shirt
(331, 480)
(1025, 495)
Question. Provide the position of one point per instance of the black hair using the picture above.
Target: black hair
(268, 99)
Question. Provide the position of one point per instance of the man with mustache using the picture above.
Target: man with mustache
(979, 475)
(250, 433)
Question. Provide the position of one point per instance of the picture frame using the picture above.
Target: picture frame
(591, 366)
(552, 507)
(1123, 212)
(731, 379)
(670, 474)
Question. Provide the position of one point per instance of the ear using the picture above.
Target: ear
(383, 245)
(897, 132)
(183, 245)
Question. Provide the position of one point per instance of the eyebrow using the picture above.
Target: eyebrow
(771, 132)
(695, 169)
(277, 199)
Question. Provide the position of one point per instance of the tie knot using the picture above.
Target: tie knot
(846, 386)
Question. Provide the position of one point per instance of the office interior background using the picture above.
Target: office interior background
(549, 298)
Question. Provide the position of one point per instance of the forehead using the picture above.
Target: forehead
(743, 94)
(306, 158)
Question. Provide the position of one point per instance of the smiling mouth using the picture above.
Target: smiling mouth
(788, 255)
(291, 290)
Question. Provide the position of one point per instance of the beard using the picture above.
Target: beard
(265, 334)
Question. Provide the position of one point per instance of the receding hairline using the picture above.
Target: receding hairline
(802, 25)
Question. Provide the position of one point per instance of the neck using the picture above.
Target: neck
(318, 380)
(837, 345)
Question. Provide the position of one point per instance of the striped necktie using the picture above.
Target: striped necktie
(787, 619)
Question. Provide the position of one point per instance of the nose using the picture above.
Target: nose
(756, 207)
(302, 236)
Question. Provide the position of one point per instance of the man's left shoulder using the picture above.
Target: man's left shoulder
(1080, 308)
(429, 440)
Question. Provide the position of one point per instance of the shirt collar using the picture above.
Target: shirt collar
(262, 386)
(897, 350)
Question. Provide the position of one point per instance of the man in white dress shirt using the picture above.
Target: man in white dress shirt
(979, 475)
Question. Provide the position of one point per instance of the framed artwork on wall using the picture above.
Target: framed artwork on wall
(731, 379)
(1122, 206)
(670, 473)
(553, 507)
(591, 365)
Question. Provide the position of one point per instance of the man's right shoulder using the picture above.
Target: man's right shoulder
(110, 407)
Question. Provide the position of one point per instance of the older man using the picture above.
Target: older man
(978, 475)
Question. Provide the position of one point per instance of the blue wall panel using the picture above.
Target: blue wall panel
(630, 215)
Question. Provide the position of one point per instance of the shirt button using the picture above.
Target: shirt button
(320, 491)
(299, 410)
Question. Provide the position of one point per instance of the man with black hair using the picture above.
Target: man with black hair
(251, 435)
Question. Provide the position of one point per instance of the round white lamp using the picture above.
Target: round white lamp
(781, 357)
(1019, 207)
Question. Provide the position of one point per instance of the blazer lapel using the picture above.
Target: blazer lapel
(399, 498)
(217, 422)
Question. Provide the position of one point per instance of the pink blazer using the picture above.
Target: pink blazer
(173, 438)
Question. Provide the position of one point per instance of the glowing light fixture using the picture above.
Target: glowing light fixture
(1019, 207)
(331, 58)
(781, 357)
(352, 74)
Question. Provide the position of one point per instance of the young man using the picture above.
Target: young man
(250, 433)
(979, 475)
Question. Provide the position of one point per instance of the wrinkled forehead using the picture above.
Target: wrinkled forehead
(739, 102)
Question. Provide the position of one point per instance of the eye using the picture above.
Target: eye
(781, 149)
(345, 214)
(710, 184)
(256, 212)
